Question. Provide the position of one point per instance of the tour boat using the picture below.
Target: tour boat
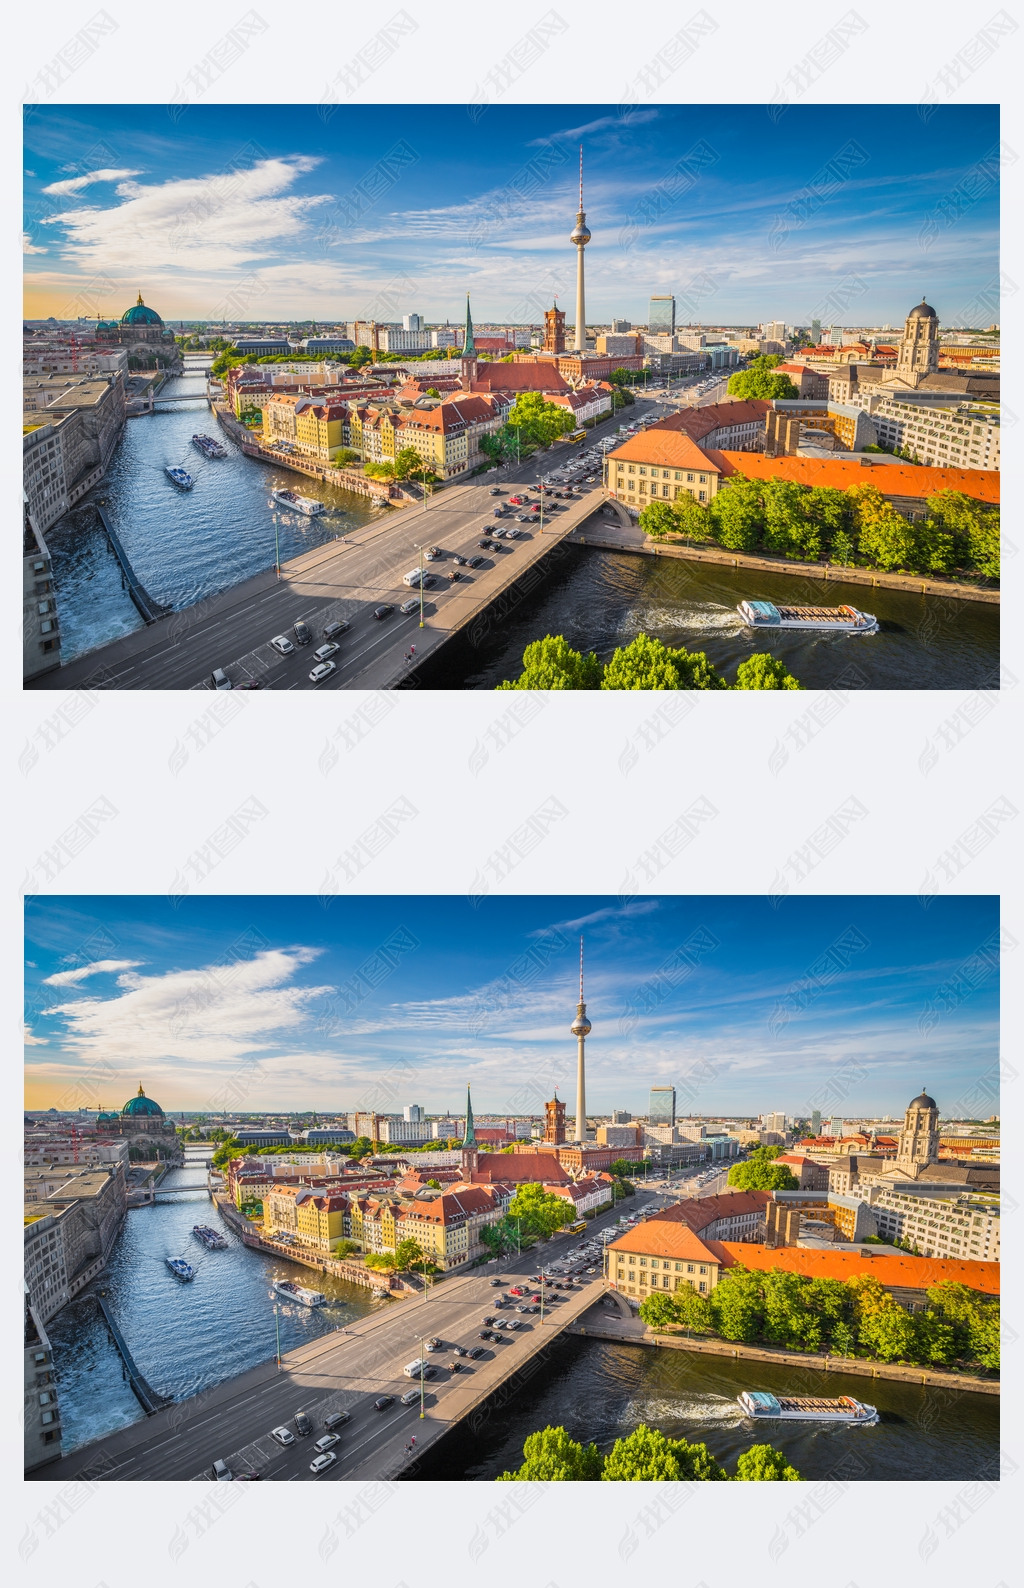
(180, 477)
(301, 504)
(838, 620)
(179, 1268)
(209, 447)
(294, 1292)
(807, 1408)
(211, 1239)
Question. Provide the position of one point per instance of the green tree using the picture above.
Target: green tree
(360, 1147)
(759, 1175)
(550, 1456)
(691, 517)
(647, 663)
(385, 1261)
(762, 671)
(737, 515)
(434, 1184)
(432, 391)
(885, 537)
(784, 521)
(693, 1311)
(407, 463)
(538, 1211)
(539, 421)
(971, 528)
(658, 519)
(346, 1248)
(889, 1333)
(551, 663)
(648, 1455)
(843, 549)
(759, 380)
(659, 1311)
(764, 1464)
(737, 1306)
(362, 355)
(379, 471)
(408, 1252)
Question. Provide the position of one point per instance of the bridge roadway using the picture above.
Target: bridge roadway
(345, 579)
(346, 1371)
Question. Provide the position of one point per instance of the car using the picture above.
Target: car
(282, 644)
(523, 1307)
(498, 533)
(460, 562)
(321, 1463)
(485, 1334)
(302, 632)
(332, 630)
(220, 679)
(382, 1403)
(302, 1423)
(522, 518)
(455, 576)
(515, 1290)
(455, 1367)
(324, 652)
(488, 1320)
(496, 1282)
(284, 1436)
(513, 1323)
(476, 1353)
(326, 1442)
(484, 545)
(535, 1298)
(222, 1472)
(412, 605)
(434, 1344)
(496, 490)
(383, 611)
(321, 671)
(501, 1323)
(516, 501)
(409, 1398)
(476, 562)
(498, 512)
(335, 1419)
(251, 683)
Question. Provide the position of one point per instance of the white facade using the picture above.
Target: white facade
(964, 437)
(964, 1225)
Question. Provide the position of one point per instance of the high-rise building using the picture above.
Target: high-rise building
(412, 322)
(775, 1122)
(580, 237)
(816, 1122)
(413, 1113)
(621, 1116)
(662, 1107)
(554, 1121)
(835, 1125)
(661, 316)
(775, 331)
(581, 1026)
(816, 332)
(621, 325)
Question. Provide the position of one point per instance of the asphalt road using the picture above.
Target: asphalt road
(342, 580)
(345, 1371)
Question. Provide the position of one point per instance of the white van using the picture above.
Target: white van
(413, 1369)
(412, 578)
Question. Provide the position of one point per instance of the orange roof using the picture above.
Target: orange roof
(672, 447)
(698, 422)
(911, 1273)
(846, 469)
(657, 1238)
(538, 375)
(699, 1212)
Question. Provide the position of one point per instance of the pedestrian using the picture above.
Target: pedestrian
(412, 1441)
(412, 650)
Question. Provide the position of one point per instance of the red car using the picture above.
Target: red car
(516, 501)
(516, 1290)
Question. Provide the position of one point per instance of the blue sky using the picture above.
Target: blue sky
(845, 213)
(283, 1003)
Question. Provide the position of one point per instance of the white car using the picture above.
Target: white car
(325, 652)
(321, 1463)
(321, 671)
(282, 644)
(284, 1436)
(326, 1442)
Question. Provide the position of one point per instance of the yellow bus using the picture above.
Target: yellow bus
(574, 1229)
(577, 435)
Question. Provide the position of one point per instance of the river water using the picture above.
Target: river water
(601, 1391)
(183, 545)
(602, 599)
(184, 1337)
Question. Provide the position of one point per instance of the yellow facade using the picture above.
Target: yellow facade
(317, 436)
(640, 483)
(639, 1276)
(320, 1225)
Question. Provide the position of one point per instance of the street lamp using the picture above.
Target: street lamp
(422, 1412)
(420, 550)
(277, 1327)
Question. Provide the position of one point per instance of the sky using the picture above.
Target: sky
(846, 214)
(746, 1006)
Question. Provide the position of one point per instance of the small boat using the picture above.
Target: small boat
(807, 1408)
(211, 1239)
(181, 477)
(300, 504)
(209, 447)
(179, 1268)
(838, 620)
(294, 1292)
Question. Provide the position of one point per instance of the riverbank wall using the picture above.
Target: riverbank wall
(626, 1333)
(613, 537)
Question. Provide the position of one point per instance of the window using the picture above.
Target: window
(689, 1268)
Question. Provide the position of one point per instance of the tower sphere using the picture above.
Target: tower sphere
(581, 1026)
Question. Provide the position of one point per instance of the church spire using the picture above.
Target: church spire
(468, 345)
(470, 1137)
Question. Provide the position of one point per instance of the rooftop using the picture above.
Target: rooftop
(668, 448)
(844, 470)
(910, 1273)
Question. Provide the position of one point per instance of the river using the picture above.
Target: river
(602, 599)
(183, 545)
(184, 1337)
(601, 1391)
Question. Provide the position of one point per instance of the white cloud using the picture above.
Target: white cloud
(75, 184)
(99, 967)
(32, 1041)
(28, 247)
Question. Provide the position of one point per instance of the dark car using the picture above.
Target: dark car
(497, 1281)
(485, 1334)
(484, 545)
(302, 1423)
(496, 490)
(252, 683)
(487, 1321)
(458, 1350)
(332, 630)
(477, 1352)
(455, 1367)
(383, 611)
(476, 562)
(302, 633)
(382, 1403)
(335, 1419)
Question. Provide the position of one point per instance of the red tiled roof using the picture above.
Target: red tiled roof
(698, 422)
(658, 1238)
(909, 1273)
(844, 470)
(521, 1166)
(671, 448)
(522, 375)
(699, 1212)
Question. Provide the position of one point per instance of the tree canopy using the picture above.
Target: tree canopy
(550, 1456)
(645, 663)
(759, 380)
(539, 422)
(644, 1456)
(540, 1212)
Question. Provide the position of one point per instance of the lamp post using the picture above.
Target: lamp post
(422, 1412)
(277, 1328)
(420, 550)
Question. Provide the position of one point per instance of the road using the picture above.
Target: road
(345, 580)
(346, 1371)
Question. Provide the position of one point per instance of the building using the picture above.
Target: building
(620, 325)
(554, 329)
(661, 315)
(963, 1224)
(587, 1194)
(662, 1106)
(262, 346)
(579, 238)
(621, 1116)
(775, 331)
(950, 433)
(258, 1136)
(732, 1216)
(919, 1138)
(919, 346)
(616, 346)
(40, 631)
(907, 486)
(661, 1256)
(554, 1121)
(811, 1174)
(908, 1279)
(398, 1131)
(148, 342)
(809, 382)
(72, 1219)
(775, 1122)
(736, 426)
(663, 464)
(150, 1134)
(88, 446)
(619, 1135)
(328, 1134)
(41, 1415)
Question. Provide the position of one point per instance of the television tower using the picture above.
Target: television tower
(580, 237)
(581, 1030)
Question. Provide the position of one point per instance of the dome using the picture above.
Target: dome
(923, 1101)
(141, 1104)
(106, 325)
(138, 314)
(922, 311)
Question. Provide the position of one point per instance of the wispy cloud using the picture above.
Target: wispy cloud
(75, 184)
(98, 967)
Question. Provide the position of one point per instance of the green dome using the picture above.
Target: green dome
(141, 1104)
(106, 325)
(138, 314)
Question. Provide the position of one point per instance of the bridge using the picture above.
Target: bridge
(345, 1370)
(346, 579)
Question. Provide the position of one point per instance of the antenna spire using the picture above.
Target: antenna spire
(581, 176)
(581, 967)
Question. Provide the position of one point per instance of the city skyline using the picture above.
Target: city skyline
(827, 212)
(836, 1004)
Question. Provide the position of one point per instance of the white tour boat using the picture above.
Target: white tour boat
(299, 504)
(294, 1292)
(807, 1408)
(835, 620)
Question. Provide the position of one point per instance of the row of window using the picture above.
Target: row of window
(666, 1263)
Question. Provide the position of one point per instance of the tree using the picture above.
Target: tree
(693, 1311)
(736, 514)
(407, 1252)
(758, 380)
(970, 527)
(432, 391)
(551, 663)
(764, 1464)
(346, 1248)
(784, 522)
(407, 462)
(659, 1311)
(765, 672)
(649, 664)
(759, 1175)
(550, 1456)
(691, 517)
(379, 471)
(382, 1260)
(434, 1184)
(538, 1211)
(648, 1455)
(737, 1306)
(885, 537)
(540, 422)
(345, 455)
(843, 549)
(658, 519)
